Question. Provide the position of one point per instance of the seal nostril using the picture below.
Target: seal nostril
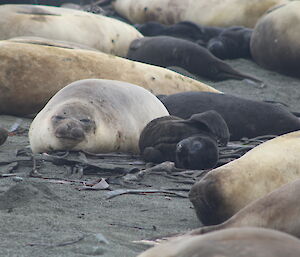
(77, 133)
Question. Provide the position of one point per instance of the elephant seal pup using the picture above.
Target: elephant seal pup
(96, 116)
(275, 40)
(231, 43)
(37, 84)
(279, 210)
(221, 13)
(167, 51)
(244, 117)
(233, 242)
(227, 189)
(96, 31)
(184, 29)
(191, 144)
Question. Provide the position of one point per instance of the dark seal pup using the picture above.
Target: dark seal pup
(185, 29)
(231, 43)
(167, 51)
(191, 143)
(244, 117)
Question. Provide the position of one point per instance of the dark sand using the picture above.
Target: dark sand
(40, 218)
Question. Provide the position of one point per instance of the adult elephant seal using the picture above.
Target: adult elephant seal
(191, 144)
(168, 51)
(234, 242)
(96, 116)
(227, 189)
(277, 210)
(244, 117)
(27, 81)
(275, 40)
(103, 33)
(223, 13)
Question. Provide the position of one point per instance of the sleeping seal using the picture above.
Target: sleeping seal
(244, 117)
(279, 210)
(191, 144)
(233, 242)
(275, 40)
(96, 116)
(25, 89)
(167, 51)
(106, 34)
(227, 189)
(222, 13)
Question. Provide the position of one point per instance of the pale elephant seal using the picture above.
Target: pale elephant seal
(275, 40)
(279, 210)
(27, 79)
(244, 117)
(223, 13)
(225, 190)
(191, 144)
(96, 116)
(96, 31)
(233, 242)
(168, 51)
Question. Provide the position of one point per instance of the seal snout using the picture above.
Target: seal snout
(197, 152)
(204, 197)
(68, 128)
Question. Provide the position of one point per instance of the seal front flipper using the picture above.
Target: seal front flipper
(212, 122)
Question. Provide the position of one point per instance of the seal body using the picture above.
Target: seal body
(231, 43)
(277, 210)
(96, 116)
(274, 43)
(103, 33)
(167, 51)
(191, 143)
(244, 117)
(25, 89)
(234, 242)
(225, 190)
(223, 13)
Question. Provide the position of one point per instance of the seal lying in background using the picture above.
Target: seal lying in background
(96, 116)
(244, 117)
(167, 51)
(224, 43)
(184, 29)
(191, 144)
(227, 189)
(231, 43)
(279, 210)
(233, 242)
(103, 33)
(275, 40)
(36, 66)
(223, 13)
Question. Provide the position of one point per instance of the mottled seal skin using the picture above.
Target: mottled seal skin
(38, 84)
(222, 13)
(3, 135)
(233, 242)
(279, 210)
(96, 31)
(231, 43)
(244, 117)
(167, 51)
(224, 191)
(275, 40)
(184, 29)
(96, 116)
(173, 139)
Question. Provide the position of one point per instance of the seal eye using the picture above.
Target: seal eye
(85, 120)
(58, 117)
